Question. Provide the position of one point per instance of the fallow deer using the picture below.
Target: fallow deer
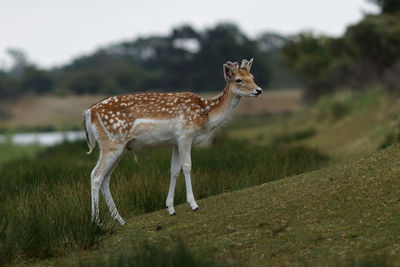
(141, 120)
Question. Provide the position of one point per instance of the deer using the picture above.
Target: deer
(144, 120)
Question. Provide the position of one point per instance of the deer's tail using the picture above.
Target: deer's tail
(90, 138)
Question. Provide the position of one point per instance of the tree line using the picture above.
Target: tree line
(185, 59)
(367, 53)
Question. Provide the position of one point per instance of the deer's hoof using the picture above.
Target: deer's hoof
(196, 209)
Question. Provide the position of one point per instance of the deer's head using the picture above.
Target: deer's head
(240, 79)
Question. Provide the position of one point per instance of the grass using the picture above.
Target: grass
(10, 152)
(45, 201)
(344, 215)
(46, 113)
(344, 125)
(149, 255)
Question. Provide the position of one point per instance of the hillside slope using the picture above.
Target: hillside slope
(343, 213)
(343, 125)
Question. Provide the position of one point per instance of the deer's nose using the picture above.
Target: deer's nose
(259, 91)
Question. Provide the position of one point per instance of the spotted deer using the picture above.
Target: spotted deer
(142, 120)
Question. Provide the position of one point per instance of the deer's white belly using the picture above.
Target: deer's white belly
(151, 133)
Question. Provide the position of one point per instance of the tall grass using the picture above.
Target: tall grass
(45, 201)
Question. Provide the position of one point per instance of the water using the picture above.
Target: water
(45, 138)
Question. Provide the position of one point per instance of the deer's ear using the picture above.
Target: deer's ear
(249, 64)
(246, 64)
(227, 72)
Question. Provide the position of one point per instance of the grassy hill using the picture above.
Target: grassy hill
(345, 214)
(343, 125)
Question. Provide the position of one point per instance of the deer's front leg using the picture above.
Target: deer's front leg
(184, 155)
(175, 169)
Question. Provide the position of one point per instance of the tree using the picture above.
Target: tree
(225, 42)
(387, 6)
(369, 52)
(36, 81)
(19, 61)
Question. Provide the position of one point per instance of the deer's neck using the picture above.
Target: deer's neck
(224, 104)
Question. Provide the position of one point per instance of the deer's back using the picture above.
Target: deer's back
(149, 119)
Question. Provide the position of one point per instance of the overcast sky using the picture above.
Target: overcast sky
(52, 32)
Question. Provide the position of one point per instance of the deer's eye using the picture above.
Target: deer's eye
(238, 80)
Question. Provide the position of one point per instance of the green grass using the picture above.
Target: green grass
(149, 255)
(10, 152)
(343, 125)
(344, 215)
(45, 201)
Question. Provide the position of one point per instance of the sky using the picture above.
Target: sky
(53, 32)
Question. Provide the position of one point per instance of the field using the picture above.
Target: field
(262, 200)
(65, 112)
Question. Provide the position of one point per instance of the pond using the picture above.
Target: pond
(44, 138)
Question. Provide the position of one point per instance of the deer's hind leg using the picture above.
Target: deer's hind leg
(105, 189)
(109, 155)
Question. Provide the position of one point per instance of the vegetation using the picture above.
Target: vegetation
(45, 204)
(387, 6)
(42, 221)
(341, 125)
(368, 53)
(10, 152)
(345, 215)
(184, 59)
(150, 255)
